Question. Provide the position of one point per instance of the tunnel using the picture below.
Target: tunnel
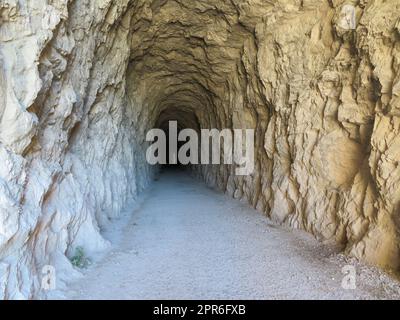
(185, 118)
(83, 82)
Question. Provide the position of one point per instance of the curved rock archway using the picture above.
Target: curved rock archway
(81, 82)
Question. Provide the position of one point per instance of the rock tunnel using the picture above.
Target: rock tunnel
(81, 82)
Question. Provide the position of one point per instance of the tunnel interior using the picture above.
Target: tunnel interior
(180, 70)
(185, 118)
(85, 82)
(230, 65)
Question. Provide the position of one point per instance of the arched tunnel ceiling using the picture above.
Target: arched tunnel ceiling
(184, 116)
(189, 54)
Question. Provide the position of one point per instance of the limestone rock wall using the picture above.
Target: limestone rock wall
(82, 81)
(69, 154)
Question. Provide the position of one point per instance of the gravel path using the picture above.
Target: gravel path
(187, 241)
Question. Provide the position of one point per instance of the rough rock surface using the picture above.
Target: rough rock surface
(82, 81)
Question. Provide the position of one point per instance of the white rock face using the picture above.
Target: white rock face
(68, 142)
(82, 81)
